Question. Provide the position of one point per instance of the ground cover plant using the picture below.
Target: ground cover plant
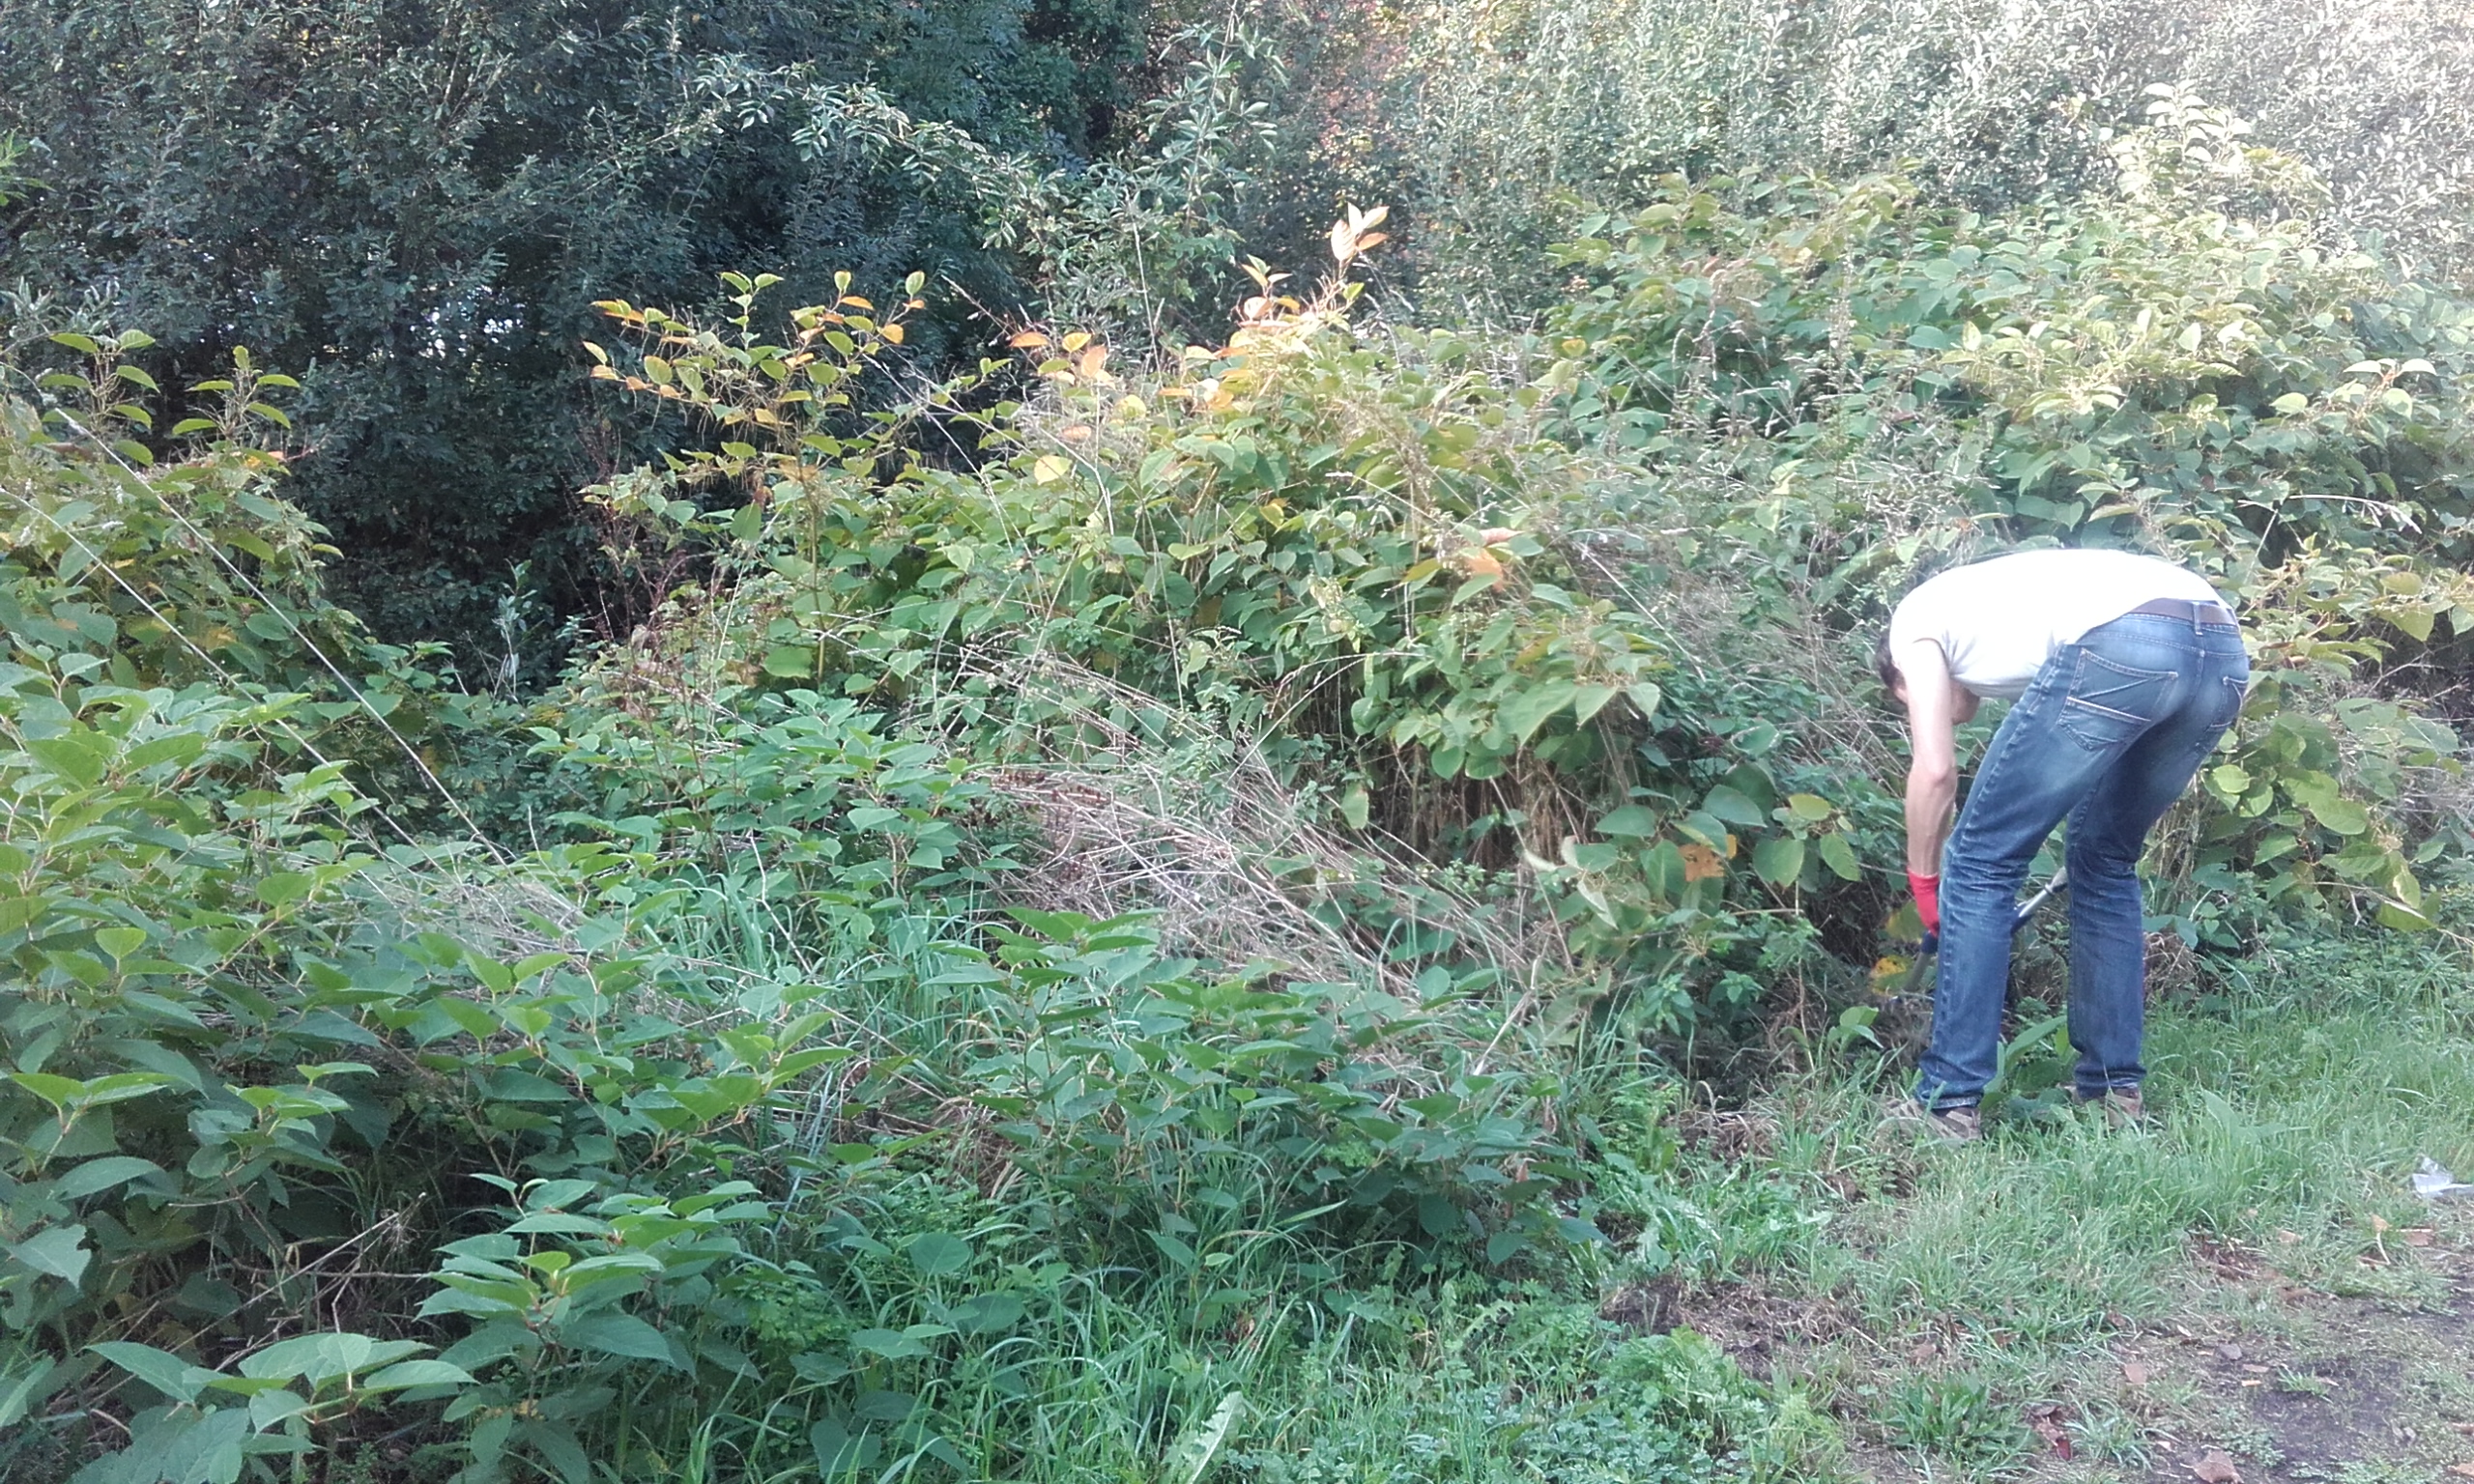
(1309, 900)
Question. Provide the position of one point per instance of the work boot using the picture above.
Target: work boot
(1960, 1125)
(2123, 1106)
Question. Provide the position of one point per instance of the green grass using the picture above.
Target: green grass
(2293, 1104)
(1971, 1283)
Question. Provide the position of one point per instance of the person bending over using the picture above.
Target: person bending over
(2123, 672)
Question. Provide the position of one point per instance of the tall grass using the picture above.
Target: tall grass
(1489, 122)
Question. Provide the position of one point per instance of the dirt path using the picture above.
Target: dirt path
(2322, 1387)
(2260, 1383)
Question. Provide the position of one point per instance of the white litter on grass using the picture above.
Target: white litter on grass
(2433, 1183)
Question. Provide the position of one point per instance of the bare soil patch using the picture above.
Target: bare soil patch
(2337, 1389)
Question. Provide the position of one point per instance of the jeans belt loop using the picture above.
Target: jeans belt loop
(2193, 613)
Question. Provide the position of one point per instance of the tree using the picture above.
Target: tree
(413, 202)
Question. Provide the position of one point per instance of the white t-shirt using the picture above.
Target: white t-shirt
(1997, 621)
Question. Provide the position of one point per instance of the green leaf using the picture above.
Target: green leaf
(558, 1443)
(558, 1194)
(1590, 700)
(1632, 821)
(1734, 807)
(2401, 918)
(60, 1251)
(2342, 816)
(1527, 709)
(121, 1087)
(936, 1254)
(1175, 1250)
(1708, 829)
(317, 1356)
(278, 888)
(1195, 1450)
(1811, 807)
(416, 1373)
(1779, 860)
(1354, 806)
(2416, 623)
(617, 1334)
(891, 1344)
(1839, 857)
(275, 1406)
(78, 757)
(99, 1175)
(20, 1390)
(840, 1454)
(792, 662)
(120, 942)
(60, 1092)
(160, 1369)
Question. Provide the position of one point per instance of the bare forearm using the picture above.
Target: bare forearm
(1935, 707)
(1931, 795)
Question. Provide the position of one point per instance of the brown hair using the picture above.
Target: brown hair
(1884, 665)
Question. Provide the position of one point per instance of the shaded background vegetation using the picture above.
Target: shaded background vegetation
(414, 206)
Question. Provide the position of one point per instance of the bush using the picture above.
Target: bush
(1880, 385)
(1487, 706)
(1494, 128)
(414, 204)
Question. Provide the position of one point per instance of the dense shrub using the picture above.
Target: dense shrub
(707, 1068)
(1885, 386)
(1578, 604)
(700, 1099)
(1495, 127)
(411, 207)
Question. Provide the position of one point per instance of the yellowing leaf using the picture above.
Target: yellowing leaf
(1050, 468)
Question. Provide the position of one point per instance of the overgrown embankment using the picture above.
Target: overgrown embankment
(1115, 903)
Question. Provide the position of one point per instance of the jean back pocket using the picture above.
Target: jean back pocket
(2111, 703)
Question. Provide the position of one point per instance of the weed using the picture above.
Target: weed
(1955, 1418)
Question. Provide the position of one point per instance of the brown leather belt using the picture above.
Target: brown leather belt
(2186, 609)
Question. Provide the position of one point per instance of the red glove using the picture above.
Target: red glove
(1928, 899)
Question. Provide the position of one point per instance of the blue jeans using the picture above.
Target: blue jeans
(2108, 735)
